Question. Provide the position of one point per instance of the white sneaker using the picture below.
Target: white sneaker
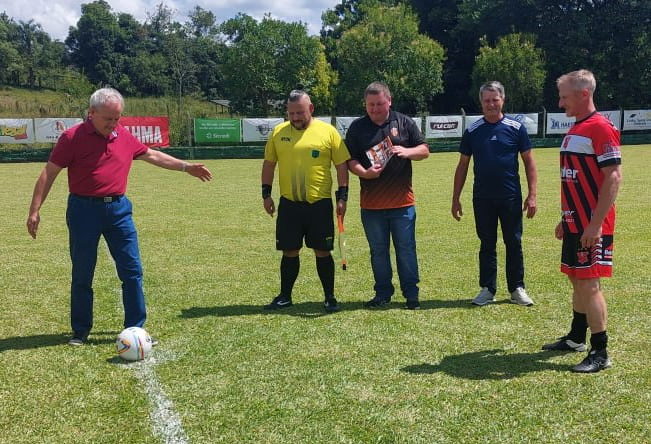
(484, 297)
(520, 297)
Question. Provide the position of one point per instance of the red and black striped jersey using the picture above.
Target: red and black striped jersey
(590, 145)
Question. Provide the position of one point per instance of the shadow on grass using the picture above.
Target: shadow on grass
(311, 309)
(51, 340)
(490, 364)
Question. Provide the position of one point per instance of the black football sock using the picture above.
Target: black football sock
(289, 267)
(325, 266)
(599, 341)
(579, 328)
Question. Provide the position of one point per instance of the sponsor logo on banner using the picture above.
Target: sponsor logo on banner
(150, 131)
(258, 130)
(50, 129)
(639, 119)
(530, 122)
(443, 126)
(559, 123)
(16, 131)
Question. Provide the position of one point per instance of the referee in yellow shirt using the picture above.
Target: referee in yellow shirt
(304, 149)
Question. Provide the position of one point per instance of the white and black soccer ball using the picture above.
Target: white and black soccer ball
(134, 344)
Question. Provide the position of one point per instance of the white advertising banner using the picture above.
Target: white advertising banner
(637, 119)
(326, 119)
(16, 131)
(614, 116)
(472, 119)
(258, 130)
(530, 122)
(558, 123)
(419, 122)
(49, 130)
(439, 127)
(342, 124)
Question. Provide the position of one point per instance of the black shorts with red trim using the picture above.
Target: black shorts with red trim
(298, 220)
(587, 263)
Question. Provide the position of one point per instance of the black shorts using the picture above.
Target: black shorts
(587, 263)
(302, 219)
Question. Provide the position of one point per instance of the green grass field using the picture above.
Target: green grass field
(227, 372)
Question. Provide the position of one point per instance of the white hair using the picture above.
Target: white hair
(105, 96)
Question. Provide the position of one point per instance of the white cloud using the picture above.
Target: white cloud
(56, 16)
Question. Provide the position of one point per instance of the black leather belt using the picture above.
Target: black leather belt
(104, 199)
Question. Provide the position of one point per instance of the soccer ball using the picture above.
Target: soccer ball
(133, 344)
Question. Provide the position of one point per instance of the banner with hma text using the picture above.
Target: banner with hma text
(151, 131)
(50, 129)
(16, 131)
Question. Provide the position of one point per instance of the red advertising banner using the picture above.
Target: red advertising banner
(152, 131)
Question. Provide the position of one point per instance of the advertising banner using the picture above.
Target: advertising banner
(419, 122)
(217, 130)
(637, 119)
(342, 124)
(530, 122)
(558, 123)
(258, 130)
(49, 130)
(326, 119)
(440, 127)
(17, 131)
(151, 131)
(614, 116)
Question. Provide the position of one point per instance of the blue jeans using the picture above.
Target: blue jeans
(379, 226)
(88, 220)
(509, 213)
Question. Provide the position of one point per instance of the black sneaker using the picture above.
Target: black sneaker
(331, 305)
(595, 361)
(564, 343)
(279, 302)
(412, 304)
(78, 339)
(376, 302)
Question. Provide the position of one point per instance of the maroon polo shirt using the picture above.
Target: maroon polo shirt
(97, 165)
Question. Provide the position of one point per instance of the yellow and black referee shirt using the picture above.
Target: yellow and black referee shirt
(304, 159)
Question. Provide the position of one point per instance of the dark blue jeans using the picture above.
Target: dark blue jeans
(400, 224)
(88, 220)
(509, 214)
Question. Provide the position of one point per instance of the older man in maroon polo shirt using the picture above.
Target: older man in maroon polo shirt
(98, 154)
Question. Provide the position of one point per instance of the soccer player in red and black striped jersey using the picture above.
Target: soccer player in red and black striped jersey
(590, 177)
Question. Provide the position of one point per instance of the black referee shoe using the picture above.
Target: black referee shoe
(279, 302)
(595, 361)
(331, 305)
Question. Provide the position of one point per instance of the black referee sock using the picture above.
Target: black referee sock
(325, 266)
(289, 267)
(599, 341)
(579, 328)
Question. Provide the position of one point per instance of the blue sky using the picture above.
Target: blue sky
(55, 16)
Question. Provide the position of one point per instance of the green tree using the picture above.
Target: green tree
(92, 43)
(264, 61)
(386, 46)
(518, 65)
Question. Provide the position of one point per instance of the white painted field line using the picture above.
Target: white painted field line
(166, 423)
